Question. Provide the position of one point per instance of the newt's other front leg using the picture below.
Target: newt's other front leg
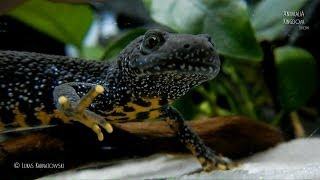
(206, 156)
(72, 107)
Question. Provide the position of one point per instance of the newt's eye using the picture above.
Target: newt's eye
(151, 41)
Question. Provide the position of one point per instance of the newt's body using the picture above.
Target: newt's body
(151, 72)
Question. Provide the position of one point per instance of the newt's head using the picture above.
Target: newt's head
(166, 64)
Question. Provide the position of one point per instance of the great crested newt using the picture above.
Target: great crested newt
(38, 90)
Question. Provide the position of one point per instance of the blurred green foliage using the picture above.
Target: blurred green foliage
(296, 74)
(65, 22)
(113, 48)
(240, 88)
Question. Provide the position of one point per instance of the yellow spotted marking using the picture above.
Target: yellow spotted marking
(60, 115)
(154, 102)
(201, 160)
(2, 125)
(154, 114)
(137, 107)
(221, 166)
(118, 109)
(43, 116)
(20, 118)
(154, 105)
(192, 149)
(130, 115)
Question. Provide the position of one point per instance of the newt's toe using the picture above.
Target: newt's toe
(80, 114)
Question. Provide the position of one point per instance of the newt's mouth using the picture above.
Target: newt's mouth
(209, 68)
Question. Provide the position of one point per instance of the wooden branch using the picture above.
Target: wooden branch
(76, 145)
(233, 136)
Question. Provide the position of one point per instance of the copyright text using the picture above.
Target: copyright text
(36, 165)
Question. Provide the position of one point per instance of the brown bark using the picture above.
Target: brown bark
(76, 145)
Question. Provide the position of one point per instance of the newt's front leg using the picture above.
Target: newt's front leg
(72, 107)
(206, 156)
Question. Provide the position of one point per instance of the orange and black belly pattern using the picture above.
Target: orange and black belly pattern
(136, 110)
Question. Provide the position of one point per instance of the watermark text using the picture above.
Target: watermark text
(38, 165)
(295, 18)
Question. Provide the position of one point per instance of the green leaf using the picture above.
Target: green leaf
(205, 108)
(227, 21)
(91, 53)
(296, 76)
(65, 22)
(113, 49)
(267, 18)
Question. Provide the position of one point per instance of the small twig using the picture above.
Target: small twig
(296, 124)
